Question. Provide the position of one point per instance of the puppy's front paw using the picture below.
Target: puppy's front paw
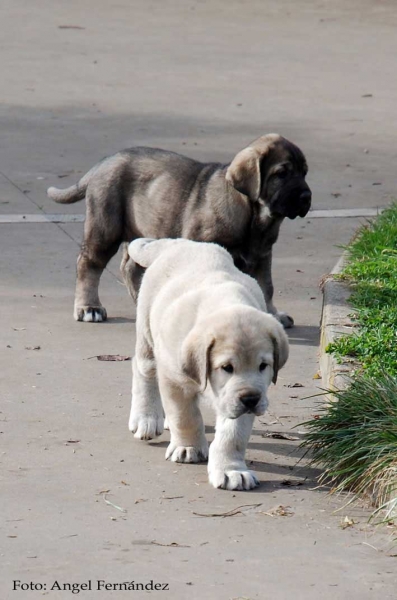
(146, 427)
(187, 454)
(286, 321)
(90, 314)
(233, 480)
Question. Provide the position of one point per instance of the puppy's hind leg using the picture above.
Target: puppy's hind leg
(188, 442)
(132, 274)
(90, 266)
(226, 463)
(264, 278)
(102, 238)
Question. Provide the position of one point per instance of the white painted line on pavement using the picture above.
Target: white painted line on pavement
(313, 214)
(343, 213)
(42, 218)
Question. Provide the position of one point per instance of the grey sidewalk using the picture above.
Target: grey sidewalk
(202, 78)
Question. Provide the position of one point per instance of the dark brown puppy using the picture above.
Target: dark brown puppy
(152, 193)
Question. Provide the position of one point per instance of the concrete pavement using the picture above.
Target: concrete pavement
(80, 81)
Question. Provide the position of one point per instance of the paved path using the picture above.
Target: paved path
(81, 80)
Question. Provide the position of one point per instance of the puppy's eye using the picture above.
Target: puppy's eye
(228, 368)
(282, 174)
(262, 366)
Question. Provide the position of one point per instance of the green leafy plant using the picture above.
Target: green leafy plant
(372, 274)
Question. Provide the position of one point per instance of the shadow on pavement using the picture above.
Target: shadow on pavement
(304, 335)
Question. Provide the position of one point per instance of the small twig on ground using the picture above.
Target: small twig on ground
(123, 510)
(229, 513)
(171, 545)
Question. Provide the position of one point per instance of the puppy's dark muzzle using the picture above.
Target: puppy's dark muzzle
(303, 205)
(305, 202)
(250, 401)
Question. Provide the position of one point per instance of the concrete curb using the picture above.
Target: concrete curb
(335, 321)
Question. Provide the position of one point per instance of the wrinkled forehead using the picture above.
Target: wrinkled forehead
(286, 152)
(277, 150)
(244, 344)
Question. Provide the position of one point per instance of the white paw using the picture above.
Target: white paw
(286, 321)
(90, 314)
(166, 426)
(187, 454)
(233, 480)
(146, 427)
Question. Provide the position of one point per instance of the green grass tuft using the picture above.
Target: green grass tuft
(372, 274)
(355, 440)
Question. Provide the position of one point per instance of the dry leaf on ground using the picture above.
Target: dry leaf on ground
(347, 522)
(279, 511)
(292, 482)
(279, 436)
(295, 385)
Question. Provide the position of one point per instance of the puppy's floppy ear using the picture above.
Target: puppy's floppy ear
(280, 348)
(195, 356)
(144, 251)
(276, 359)
(244, 173)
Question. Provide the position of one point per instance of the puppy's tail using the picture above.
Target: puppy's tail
(144, 251)
(74, 193)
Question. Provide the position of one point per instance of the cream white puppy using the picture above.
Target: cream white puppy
(202, 333)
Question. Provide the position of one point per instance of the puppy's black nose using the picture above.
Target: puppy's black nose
(305, 196)
(305, 200)
(250, 401)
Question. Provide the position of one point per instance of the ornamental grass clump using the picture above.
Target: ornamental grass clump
(355, 441)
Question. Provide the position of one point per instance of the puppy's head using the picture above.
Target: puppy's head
(234, 355)
(271, 171)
